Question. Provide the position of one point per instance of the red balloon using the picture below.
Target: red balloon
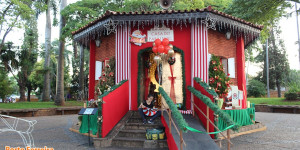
(157, 42)
(154, 49)
(161, 48)
(165, 41)
(167, 48)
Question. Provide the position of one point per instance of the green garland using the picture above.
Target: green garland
(175, 112)
(100, 105)
(224, 116)
(140, 65)
(210, 90)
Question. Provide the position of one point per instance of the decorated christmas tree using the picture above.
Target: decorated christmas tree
(107, 79)
(217, 77)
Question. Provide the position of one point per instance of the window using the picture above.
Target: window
(229, 66)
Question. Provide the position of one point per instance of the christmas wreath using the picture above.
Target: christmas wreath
(171, 60)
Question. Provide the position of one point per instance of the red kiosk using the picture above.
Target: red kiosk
(195, 35)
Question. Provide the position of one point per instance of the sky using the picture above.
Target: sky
(288, 27)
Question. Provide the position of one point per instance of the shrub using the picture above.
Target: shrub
(290, 95)
(256, 88)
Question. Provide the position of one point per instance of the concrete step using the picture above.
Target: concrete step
(138, 143)
(140, 120)
(141, 126)
(133, 134)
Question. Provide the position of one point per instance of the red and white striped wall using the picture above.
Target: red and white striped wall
(199, 51)
(123, 60)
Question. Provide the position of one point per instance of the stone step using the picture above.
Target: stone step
(138, 143)
(140, 126)
(140, 120)
(133, 134)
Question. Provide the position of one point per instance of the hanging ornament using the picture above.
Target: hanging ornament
(167, 48)
(155, 49)
(165, 41)
(161, 48)
(171, 52)
(171, 46)
(154, 44)
(163, 56)
(171, 60)
(157, 59)
(157, 42)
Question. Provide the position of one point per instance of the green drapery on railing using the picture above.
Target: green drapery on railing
(93, 123)
(241, 117)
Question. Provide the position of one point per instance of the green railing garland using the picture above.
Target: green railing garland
(224, 116)
(140, 66)
(209, 89)
(100, 105)
(175, 112)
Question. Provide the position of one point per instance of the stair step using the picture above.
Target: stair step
(140, 120)
(138, 143)
(141, 126)
(133, 134)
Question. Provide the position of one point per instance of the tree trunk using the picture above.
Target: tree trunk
(29, 88)
(278, 89)
(75, 49)
(46, 88)
(59, 100)
(22, 92)
(81, 74)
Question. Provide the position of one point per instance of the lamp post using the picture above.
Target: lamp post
(298, 31)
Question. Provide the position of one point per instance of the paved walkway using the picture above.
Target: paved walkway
(283, 133)
(50, 131)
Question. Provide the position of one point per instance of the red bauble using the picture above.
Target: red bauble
(154, 49)
(157, 42)
(167, 48)
(161, 48)
(165, 41)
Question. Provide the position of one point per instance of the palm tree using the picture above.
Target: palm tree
(60, 100)
(46, 88)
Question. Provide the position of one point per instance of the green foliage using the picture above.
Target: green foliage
(5, 84)
(224, 116)
(80, 13)
(291, 96)
(256, 88)
(140, 5)
(175, 112)
(294, 87)
(272, 101)
(263, 12)
(32, 105)
(278, 62)
(218, 80)
(293, 80)
(75, 85)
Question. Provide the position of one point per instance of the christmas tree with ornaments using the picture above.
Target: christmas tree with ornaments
(218, 80)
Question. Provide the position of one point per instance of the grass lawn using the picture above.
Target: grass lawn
(28, 105)
(273, 101)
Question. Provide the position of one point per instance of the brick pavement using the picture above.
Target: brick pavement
(283, 132)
